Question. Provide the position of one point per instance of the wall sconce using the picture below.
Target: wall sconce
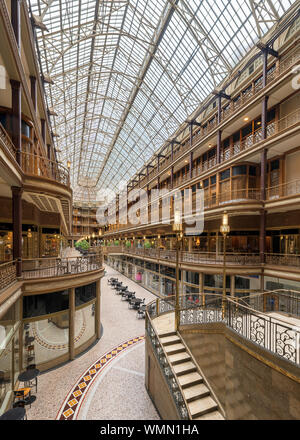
(68, 164)
(29, 234)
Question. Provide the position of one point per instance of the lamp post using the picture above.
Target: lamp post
(224, 229)
(177, 227)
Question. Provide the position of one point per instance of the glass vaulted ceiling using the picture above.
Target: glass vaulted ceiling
(127, 73)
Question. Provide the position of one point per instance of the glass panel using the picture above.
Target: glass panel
(84, 324)
(38, 305)
(46, 339)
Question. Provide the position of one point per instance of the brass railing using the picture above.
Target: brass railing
(284, 190)
(56, 267)
(35, 165)
(283, 259)
(4, 137)
(8, 274)
(186, 256)
(276, 335)
(283, 66)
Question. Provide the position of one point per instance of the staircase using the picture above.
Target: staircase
(200, 402)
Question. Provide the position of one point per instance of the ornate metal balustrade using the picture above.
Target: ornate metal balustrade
(283, 259)
(169, 375)
(271, 333)
(6, 141)
(8, 274)
(281, 300)
(56, 267)
(41, 166)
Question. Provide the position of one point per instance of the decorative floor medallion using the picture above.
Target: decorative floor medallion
(72, 403)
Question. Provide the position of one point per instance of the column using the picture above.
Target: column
(97, 309)
(16, 21)
(190, 244)
(33, 91)
(16, 118)
(172, 176)
(17, 227)
(191, 165)
(219, 140)
(43, 130)
(71, 322)
(201, 287)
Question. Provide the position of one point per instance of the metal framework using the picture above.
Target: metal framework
(127, 73)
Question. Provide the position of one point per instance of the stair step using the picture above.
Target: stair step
(179, 358)
(214, 415)
(162, 335)
(184, 368)
(202, 406)
(190, 379)
(169, 340)
(196, 391)
(174, 348)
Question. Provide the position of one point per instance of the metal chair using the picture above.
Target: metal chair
(141, 312)
(23, 394)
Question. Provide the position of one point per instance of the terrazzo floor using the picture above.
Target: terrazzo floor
(107, 381)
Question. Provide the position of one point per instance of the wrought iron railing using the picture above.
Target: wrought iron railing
(56, 267)
(281, 300)
(271, 333)
(167, 370)
(284, 190)
(8, 274)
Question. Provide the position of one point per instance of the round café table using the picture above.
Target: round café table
(29, 375)
(14, 414)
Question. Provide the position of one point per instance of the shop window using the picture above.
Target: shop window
(213, 180)
(225, 174)
(247, 130)
(38, 305)
(271, 115)
(84, 294)
(252, 170)
(239, 170)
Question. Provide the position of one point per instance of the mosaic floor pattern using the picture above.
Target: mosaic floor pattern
(74, 399)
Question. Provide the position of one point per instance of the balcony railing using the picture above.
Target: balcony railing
(281, 300)
(7, 141)
(282, 68)
(283, 259)
(35, 165)
(8, 274)
(283, 190)
(57, 267)
(275, 335)
(188, 257)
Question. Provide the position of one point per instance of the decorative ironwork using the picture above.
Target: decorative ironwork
(45, 268)
(8, 274)
(167, 371)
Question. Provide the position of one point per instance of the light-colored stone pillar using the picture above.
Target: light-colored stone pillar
(71, 322)
(190, 244)
(97, 309)
(201, 286)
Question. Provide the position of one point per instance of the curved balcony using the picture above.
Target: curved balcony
(207, 258)
(59, 267)
(8, 274)
(40, 166)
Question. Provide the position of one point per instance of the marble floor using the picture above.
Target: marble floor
(107, 381)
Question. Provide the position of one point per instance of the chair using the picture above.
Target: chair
(22, 394)
(141, 313)
(32, 382)
(30, 353)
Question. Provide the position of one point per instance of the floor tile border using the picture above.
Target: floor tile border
(71, 404)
